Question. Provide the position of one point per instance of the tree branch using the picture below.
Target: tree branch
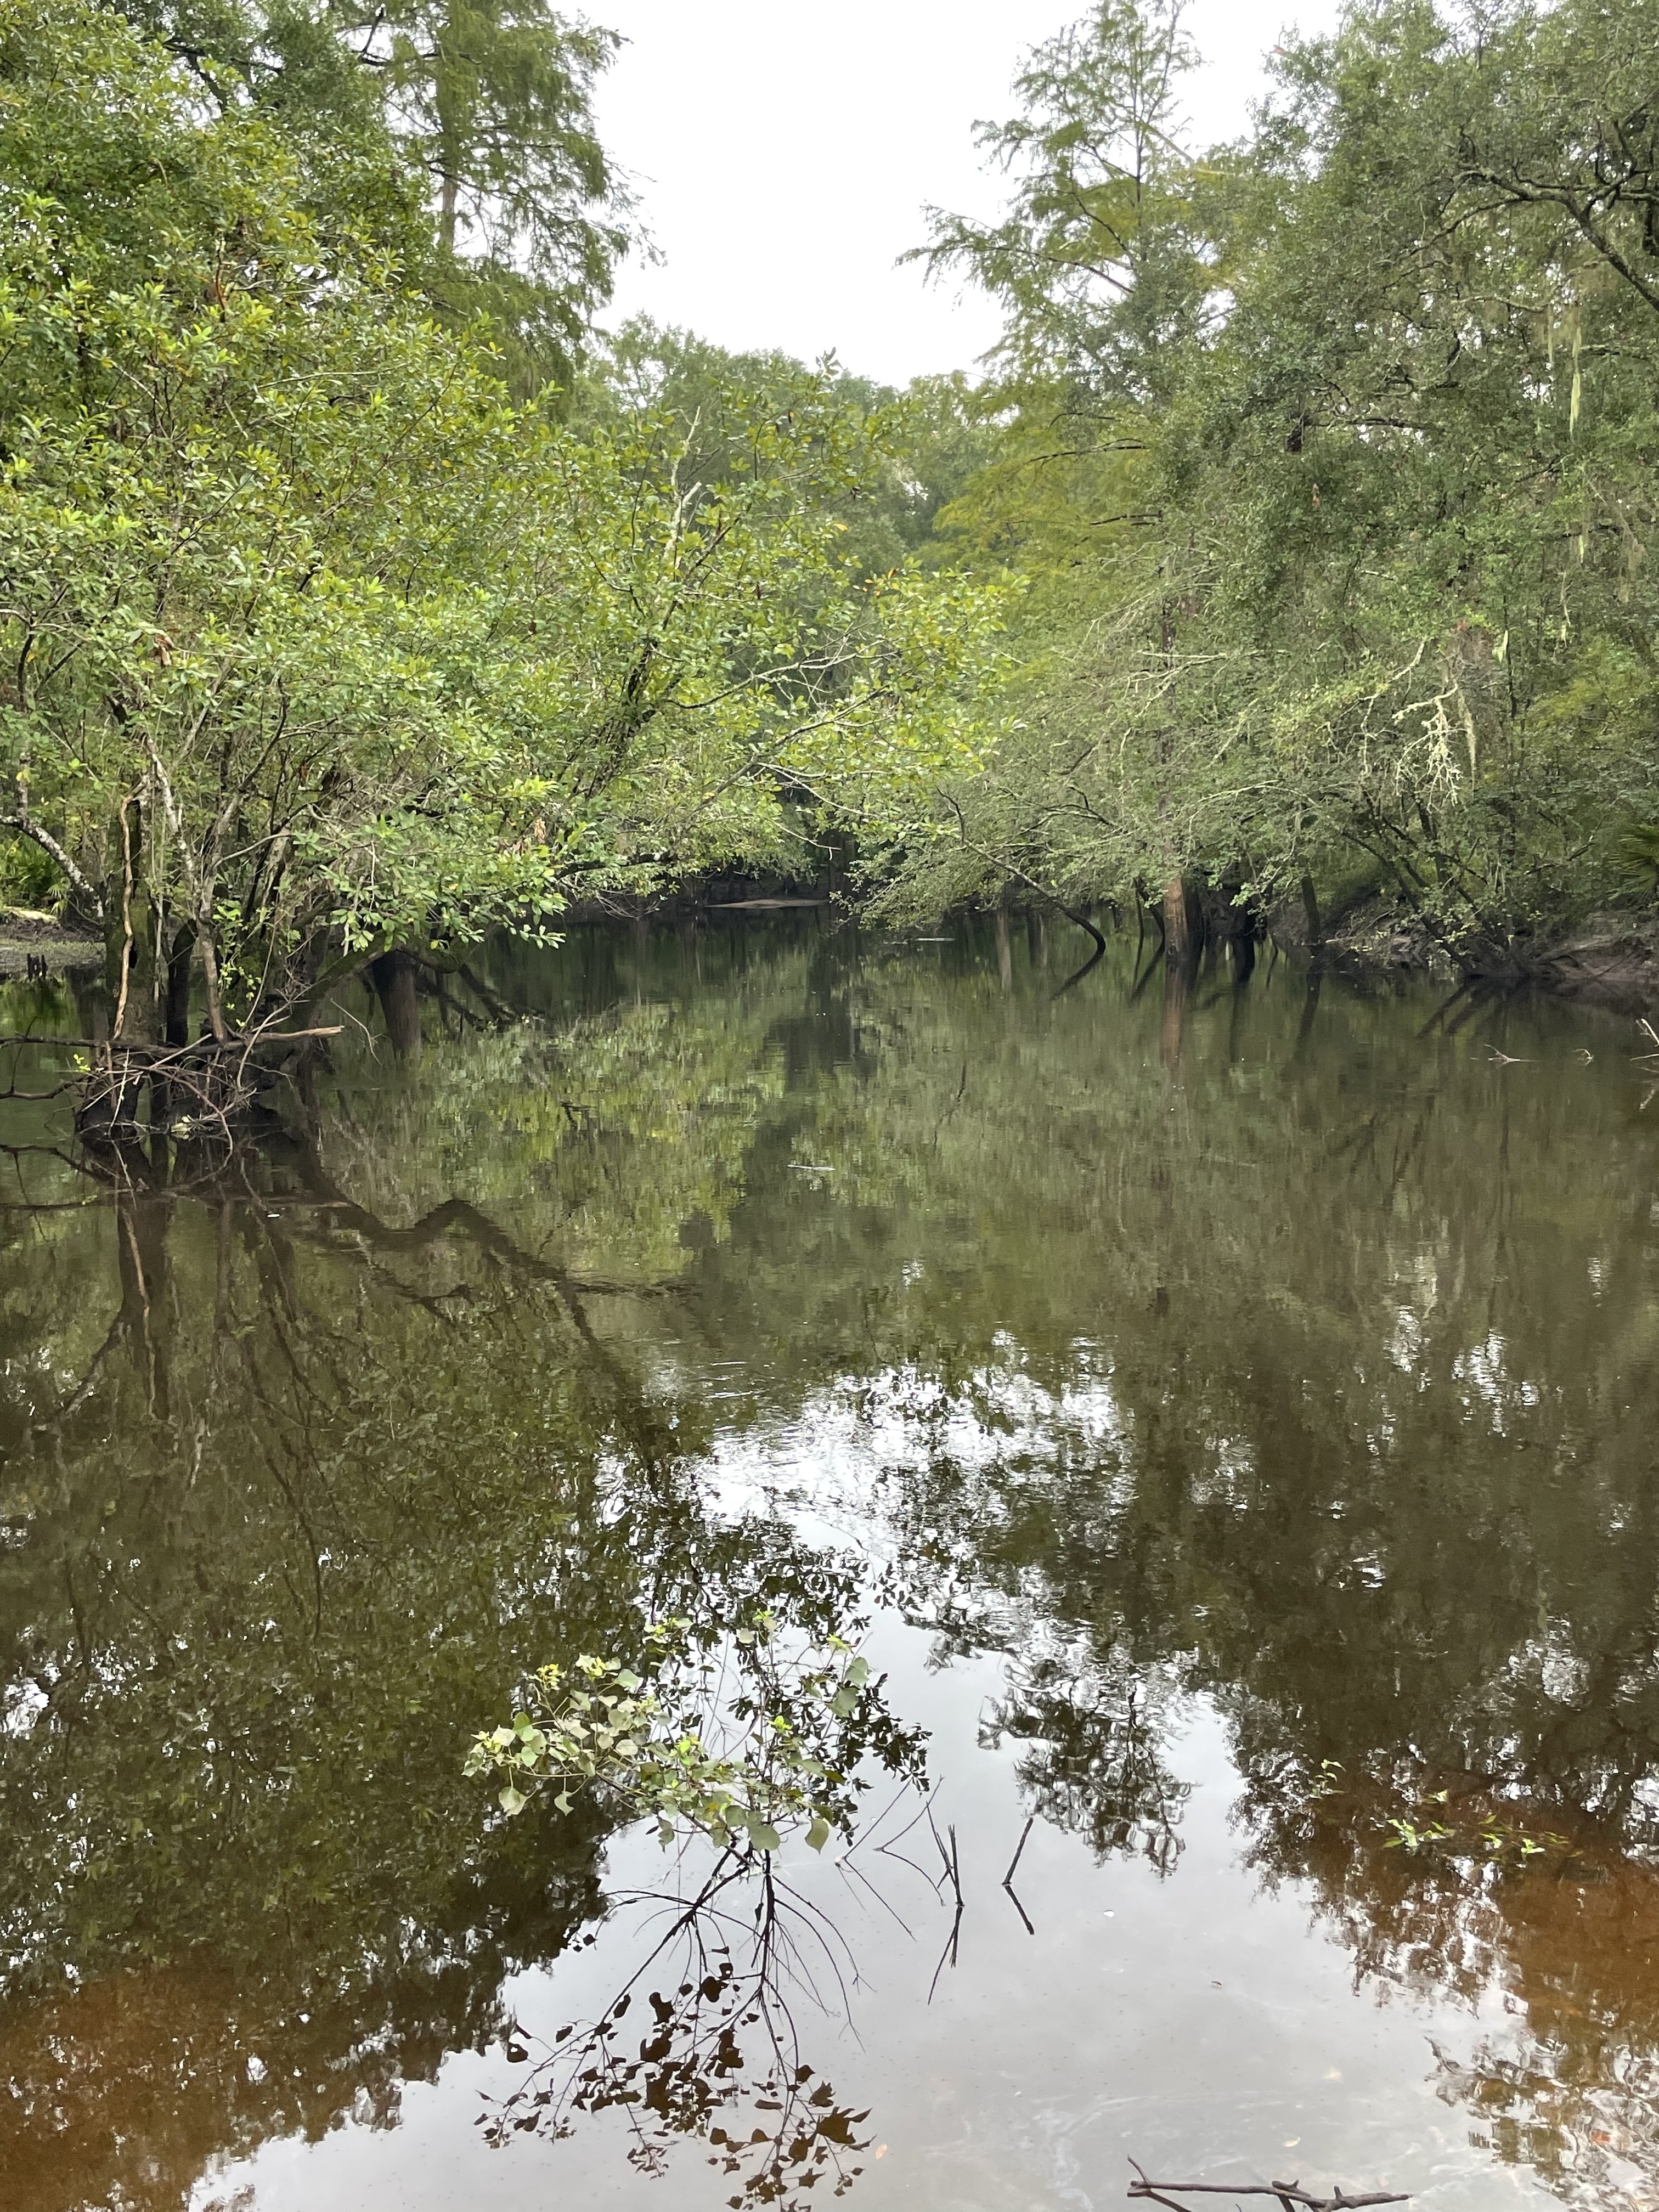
(49, 844)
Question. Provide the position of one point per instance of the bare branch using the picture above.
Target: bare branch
(1287, 2192)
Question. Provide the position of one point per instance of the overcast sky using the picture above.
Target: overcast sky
(783, 157)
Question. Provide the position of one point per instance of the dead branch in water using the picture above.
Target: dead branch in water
(191, 1087)
(1008, 1879)
(1289, 2193)
(953, 1875)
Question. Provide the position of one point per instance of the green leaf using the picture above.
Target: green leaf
(818, 1834)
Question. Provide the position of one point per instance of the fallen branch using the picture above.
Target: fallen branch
(135, 1048)
(1289, 2193)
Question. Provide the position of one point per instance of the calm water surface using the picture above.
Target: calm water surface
(1240, 1417)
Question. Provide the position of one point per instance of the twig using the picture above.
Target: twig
(1287, 2192)
(1008, 1879)
(952, 1867)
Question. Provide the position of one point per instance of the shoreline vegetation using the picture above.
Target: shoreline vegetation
(1611, 961)
(1284, 573)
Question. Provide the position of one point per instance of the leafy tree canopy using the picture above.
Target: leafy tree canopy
(318, 643)
(1329, 457)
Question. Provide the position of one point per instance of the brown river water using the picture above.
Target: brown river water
(1235, 1416)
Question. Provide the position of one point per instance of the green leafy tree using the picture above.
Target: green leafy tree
(492, 101)
(1335, 504)
(319, 645)
(488, 111)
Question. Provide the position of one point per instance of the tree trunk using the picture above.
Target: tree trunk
(130, 939)
(393, 977)
(1310, 908)
(448, 83)
(178, 996)
(1036, 937)
(143, 1221)
(1178, 976)
(1177, 932)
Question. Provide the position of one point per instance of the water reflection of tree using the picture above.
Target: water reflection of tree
(1323, 1387)
(282, 1528)
(717, 2058)
(1094, 1762)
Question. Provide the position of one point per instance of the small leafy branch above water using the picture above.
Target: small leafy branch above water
(761, 1736)
(1476, 1827)
(1434, 1824)
(736, 1740)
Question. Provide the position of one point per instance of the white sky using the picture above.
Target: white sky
(783, 156)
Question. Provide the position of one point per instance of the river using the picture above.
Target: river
(1229, 1420)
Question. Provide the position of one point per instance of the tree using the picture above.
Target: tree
(923, 444)
(1102, 268)
(321, 646)
(1335, 504)
(488, 109)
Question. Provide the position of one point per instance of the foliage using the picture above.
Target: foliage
(678, 1745)
(925, 443)
(245, 689)
(1328, 462)
(320, 645)
(486, 112)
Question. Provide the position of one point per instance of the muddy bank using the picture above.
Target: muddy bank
(35, 943)
(1611, 959)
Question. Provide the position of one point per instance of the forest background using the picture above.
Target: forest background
(360, 596)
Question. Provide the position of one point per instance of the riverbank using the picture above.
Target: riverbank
(1611, 959)
(36, 944)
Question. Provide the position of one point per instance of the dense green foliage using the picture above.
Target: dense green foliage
(487, 110)
(318, 643)
(740, 1747)
(333, 626)
(1330, 456)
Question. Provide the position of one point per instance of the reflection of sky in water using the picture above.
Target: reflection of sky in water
(1203, 2023)
(1195, 2023)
